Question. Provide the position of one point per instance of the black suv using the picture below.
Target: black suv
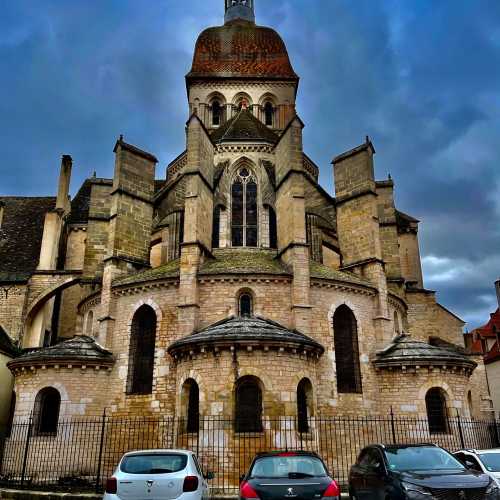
(416, 472)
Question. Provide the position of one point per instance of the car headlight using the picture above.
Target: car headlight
(415, 492)
(493, 491)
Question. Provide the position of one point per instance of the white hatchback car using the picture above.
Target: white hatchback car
(487, 461)
(158, 474)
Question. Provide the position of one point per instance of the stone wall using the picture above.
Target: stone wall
(12, 302)
(6, 386)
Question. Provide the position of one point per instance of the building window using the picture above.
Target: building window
(345, 335)
(269, 113)
(248, 414)
(437, 413)
(142, 351)
(12, 411)
(46, 413)
(89, 324)
(245, 305)
(191, 404)
(470, 404)
(273, 229)
(244, 209)
(304, 402)
(216, 227)
(216, 113)
(396, 323)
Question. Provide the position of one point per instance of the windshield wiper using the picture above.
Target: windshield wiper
(299, 475)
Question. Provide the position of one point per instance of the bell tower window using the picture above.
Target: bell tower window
(269, 114)
(244, 209)
(216, 113)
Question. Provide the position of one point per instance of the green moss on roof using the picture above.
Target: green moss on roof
(318, 270)
(244, 261)
(169, 270)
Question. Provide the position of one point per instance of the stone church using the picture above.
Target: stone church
(230, 284)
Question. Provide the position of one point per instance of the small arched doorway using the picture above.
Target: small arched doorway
(46, 414)
(191, 405)
(248, 405)
(437, 412)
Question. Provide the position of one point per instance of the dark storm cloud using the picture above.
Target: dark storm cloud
(421, 77)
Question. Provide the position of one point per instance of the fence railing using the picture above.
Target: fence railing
(83, 452)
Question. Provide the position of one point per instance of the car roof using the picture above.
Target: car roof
(402, 445)
(156, 451)
(483, 452)
(285, 453)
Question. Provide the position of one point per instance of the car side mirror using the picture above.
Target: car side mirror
(209, 475)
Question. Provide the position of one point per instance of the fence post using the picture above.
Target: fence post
(101, 447)
(460, 432)
(26, 449)
(393, 428)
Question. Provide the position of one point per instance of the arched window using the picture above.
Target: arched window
(89, 324)
(46, 414)
(248, 397)
(269, 113)
(12, 411)
(245, 304)
(304, 402)
(191, 404)
(244, 209)
(273, 229)
(437, 413)
(345, 334)
(216, 113)
(142, 351)
(216, 227)
(470, 404)
(396, 323)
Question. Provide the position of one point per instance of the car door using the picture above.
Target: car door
(357, 476)
(204, 484)
(375, 474)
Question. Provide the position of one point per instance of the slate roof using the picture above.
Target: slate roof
(244, 261)
(80, 204)
(246, 330)
(6, 344)
(244, 127)
(81, 349)
(21, 235)
(406, 351)
(241, 49)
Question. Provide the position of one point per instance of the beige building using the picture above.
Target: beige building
(7, 399)
(232, 284)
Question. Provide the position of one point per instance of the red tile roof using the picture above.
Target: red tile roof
(241, 49)
(487, 331)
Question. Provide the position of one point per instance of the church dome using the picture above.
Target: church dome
(241, 49)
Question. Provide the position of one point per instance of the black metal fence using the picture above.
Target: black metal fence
(84, 451)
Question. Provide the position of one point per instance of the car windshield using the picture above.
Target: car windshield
(154, 463)
(491, 461)
(289, 466)
(421, 458)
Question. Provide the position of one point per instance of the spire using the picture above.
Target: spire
(239, 9)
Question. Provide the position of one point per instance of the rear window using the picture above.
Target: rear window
(154, 463)
(287, 466)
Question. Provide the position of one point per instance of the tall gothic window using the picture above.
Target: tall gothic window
(435, 402)
(216, 227)
(273, 229)
(269, 113)
(46, 415)
(248, 414)
(345, 334)
(244, 209)
(216, 113)
(142, 351)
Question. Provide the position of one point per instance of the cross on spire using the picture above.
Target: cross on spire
(239, 9)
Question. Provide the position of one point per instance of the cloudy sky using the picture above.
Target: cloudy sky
(421, 77)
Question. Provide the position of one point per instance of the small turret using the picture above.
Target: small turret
(239, 9)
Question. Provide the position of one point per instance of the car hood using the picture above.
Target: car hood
(446, 478)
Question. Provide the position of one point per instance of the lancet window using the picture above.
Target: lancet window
(244, 231)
